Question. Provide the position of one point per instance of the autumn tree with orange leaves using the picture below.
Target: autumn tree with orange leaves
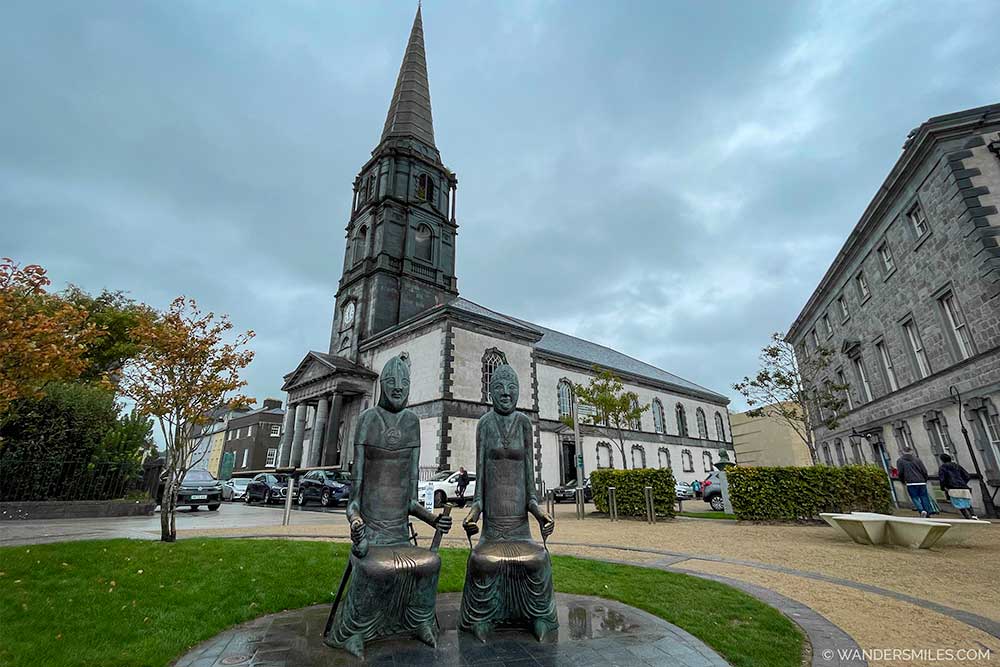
(43, 338)
(187, 363)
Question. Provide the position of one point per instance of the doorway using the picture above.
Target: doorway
(567, 461)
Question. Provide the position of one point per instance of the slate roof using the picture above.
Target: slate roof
(410, 109)
(563, 345)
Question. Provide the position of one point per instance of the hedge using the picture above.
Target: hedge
(793, 494)
(630, 490)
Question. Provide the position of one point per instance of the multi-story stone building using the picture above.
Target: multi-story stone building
(911, 306)
(252, 437)
(399, 292)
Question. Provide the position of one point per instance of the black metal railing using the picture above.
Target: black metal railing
(69, 480)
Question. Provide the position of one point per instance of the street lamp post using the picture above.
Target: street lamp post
(881, 458)
(990, 510)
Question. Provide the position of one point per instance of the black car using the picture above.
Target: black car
(567, 491)
(199, 487)
(326, 487)
(267, 486)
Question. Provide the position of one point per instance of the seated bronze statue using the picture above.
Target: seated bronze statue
(509, 576)
(393, 584)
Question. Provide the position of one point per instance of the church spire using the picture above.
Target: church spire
(410, 109)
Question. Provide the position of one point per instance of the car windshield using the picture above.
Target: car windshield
(281, 479)
(571, 482)
(198, 476)
(240, 482)
(441, 476)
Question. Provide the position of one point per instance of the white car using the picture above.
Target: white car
(445, 486)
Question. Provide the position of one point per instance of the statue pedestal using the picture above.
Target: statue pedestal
(592, 631)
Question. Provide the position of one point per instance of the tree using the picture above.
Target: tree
(43, 338)
(183, 368)
(615, 411)
(116, 316)
(794, 390)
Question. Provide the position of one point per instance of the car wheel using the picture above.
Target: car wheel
(326, 499)
(717, 504)
(440, 499)
(300, 500)
(214, 507)
(246, 497)
(267, 497)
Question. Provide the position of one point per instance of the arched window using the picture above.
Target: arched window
(663, 457)
(565, 394)
(634, 424)
(604, 459)
(372, 182)
(720, 430)
(682, 422)
(658, 416)
(827, 459)
(425, 188)
(687, 460)
(360, 244)
(638, 457)
(491, 359)
(857, 453)
(838, 448)
(706, 459)
(422, 247)
(702, 424)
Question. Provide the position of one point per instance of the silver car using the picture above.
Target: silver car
(235, 489)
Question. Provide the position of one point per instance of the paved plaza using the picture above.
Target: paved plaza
(936, 598)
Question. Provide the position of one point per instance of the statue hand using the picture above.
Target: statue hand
(470, 523)
(357, 531)
(546, 524)
(442, 523)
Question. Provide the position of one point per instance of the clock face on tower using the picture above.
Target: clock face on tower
(348, 318)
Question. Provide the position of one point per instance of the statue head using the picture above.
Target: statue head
(395, 383)
(504, 389)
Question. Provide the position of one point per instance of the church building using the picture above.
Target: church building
(399, 293)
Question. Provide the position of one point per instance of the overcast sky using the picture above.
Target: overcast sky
(670, 179)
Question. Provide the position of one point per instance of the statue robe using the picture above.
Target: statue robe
(394, 585)
(509, 576)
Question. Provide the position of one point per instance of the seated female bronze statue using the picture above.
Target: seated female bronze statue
(393, 584)
(509, 576)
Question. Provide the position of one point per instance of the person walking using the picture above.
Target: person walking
(954, 479)
(463, 482)
(913, 474)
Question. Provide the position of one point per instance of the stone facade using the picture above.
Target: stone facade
(399, 293)
(920, 278)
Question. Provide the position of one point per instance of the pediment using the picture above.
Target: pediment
(312, 367)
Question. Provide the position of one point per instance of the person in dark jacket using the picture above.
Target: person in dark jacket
(913, 474)
(954, 480)
(463, 482)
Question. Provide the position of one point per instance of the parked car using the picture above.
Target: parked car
(199, 487)
(235, 488)
(323, 487)
(683, 491)
(267, 486)
(445, 485)
(711, 491)
(567, 492)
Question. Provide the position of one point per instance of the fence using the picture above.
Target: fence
(22, 481)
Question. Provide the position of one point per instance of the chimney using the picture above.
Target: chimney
(271, 403)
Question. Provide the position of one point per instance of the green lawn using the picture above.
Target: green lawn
(128, 603)
(709, 515)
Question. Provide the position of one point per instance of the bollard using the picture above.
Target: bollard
(612, 504)
(650, 510)
(579, 503)
(550, 503)
(288, 500)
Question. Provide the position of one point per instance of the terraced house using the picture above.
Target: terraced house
(399, 292)
(911, 306)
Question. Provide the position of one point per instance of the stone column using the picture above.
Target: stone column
(331, 442)
(299, 431)
(285, 444)
(318, 431)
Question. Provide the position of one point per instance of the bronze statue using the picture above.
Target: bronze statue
(393, 585)
(509, 576)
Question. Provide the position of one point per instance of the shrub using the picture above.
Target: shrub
(793, 494)
(629, 490)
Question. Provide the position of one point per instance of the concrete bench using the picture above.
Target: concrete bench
(869, 528)
(960, 531)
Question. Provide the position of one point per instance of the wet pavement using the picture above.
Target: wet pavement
(592, 632)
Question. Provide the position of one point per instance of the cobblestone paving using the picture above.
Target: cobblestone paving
(593, 633)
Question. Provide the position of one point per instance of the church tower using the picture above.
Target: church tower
(400, 255)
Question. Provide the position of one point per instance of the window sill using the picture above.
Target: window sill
(845, 320)
(866, 299)
(921, 240)
(889, 274)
